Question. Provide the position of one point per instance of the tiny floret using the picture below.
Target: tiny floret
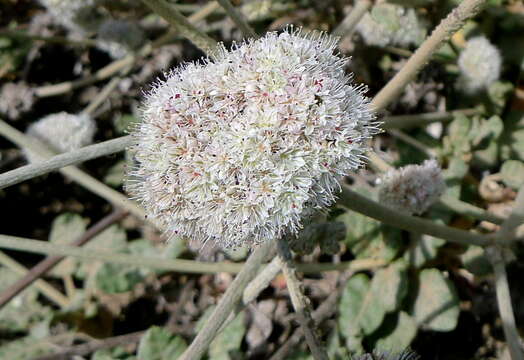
(412, 189)
(479, 65)
(62, 132)
(389, 24)
(236, 149)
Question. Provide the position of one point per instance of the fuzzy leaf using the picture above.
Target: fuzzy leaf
(116, 278)
(158, 344)
(512, 172)
(397, 333)
(422, 249)
(228, 342)
(475, 261)
(65, 229)
(436, 305)
(115, 174)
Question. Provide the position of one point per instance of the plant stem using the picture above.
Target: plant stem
(463, 208)
(452, 23)
(182, 25)
(102, 96)
(49, 39)
(346, 27)
(504, 303)
(300, 301)
(410, 140)
(57, 162)
(227, 303)
(118, 65)
(82, 178)
(43, 286)
(408, 121)
(178, 265)
(46, 265)
(238, 18)
(365, 206)
(508, 231)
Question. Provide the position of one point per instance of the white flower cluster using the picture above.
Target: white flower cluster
(78, 16)
(479, 65)
(412, 189)
(62, 132)
(119, 37)
(236, 149)
(400, 27)
(16, 99)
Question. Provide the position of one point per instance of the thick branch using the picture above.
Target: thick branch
(363, 205)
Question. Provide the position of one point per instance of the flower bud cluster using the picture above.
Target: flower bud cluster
(235, 150)
(412, 189)
(62, 132)
(479, 65)
(16, 99)
(398, 26)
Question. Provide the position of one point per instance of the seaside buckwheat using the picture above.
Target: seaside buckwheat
(235, 150)
(62, 132)
(412, 189)
(479, 65)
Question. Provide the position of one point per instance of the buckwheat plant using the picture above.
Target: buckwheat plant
(234, 150)
(397, 26)
(62, 132)
(412, 189)
(479, 65)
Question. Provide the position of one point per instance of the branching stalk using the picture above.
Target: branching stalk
(300, 301)
(346, 27)
(365, 206)
(238, 18)
(504, 302)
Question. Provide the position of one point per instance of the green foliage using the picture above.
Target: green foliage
(436, 305)
(227, 343)
(512, 172)
(475, 261)
(396, 334)
(365, 303)
(160, 344)
(368, 238)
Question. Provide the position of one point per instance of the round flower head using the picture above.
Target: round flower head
(16, 99)
(479, 64)
(412, 189)
(398, 26)
(118, 37)
(62, 132)
(235, 150)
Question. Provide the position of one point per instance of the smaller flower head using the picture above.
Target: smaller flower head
(412, 189)
(479, 65)
(118, 37)
(62, 132)
(16, 99)
(389, 24)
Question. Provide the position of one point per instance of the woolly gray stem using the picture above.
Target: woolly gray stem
(102, 96)
(300, 301)
(346, 27)
(504, 303)
(86, 180)
(452, 23)
(229, 300)
(182, 25)
(410, 140)
(238, 18)
(57, 162)
(43, 286)
(178, 265)
(365, 206)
